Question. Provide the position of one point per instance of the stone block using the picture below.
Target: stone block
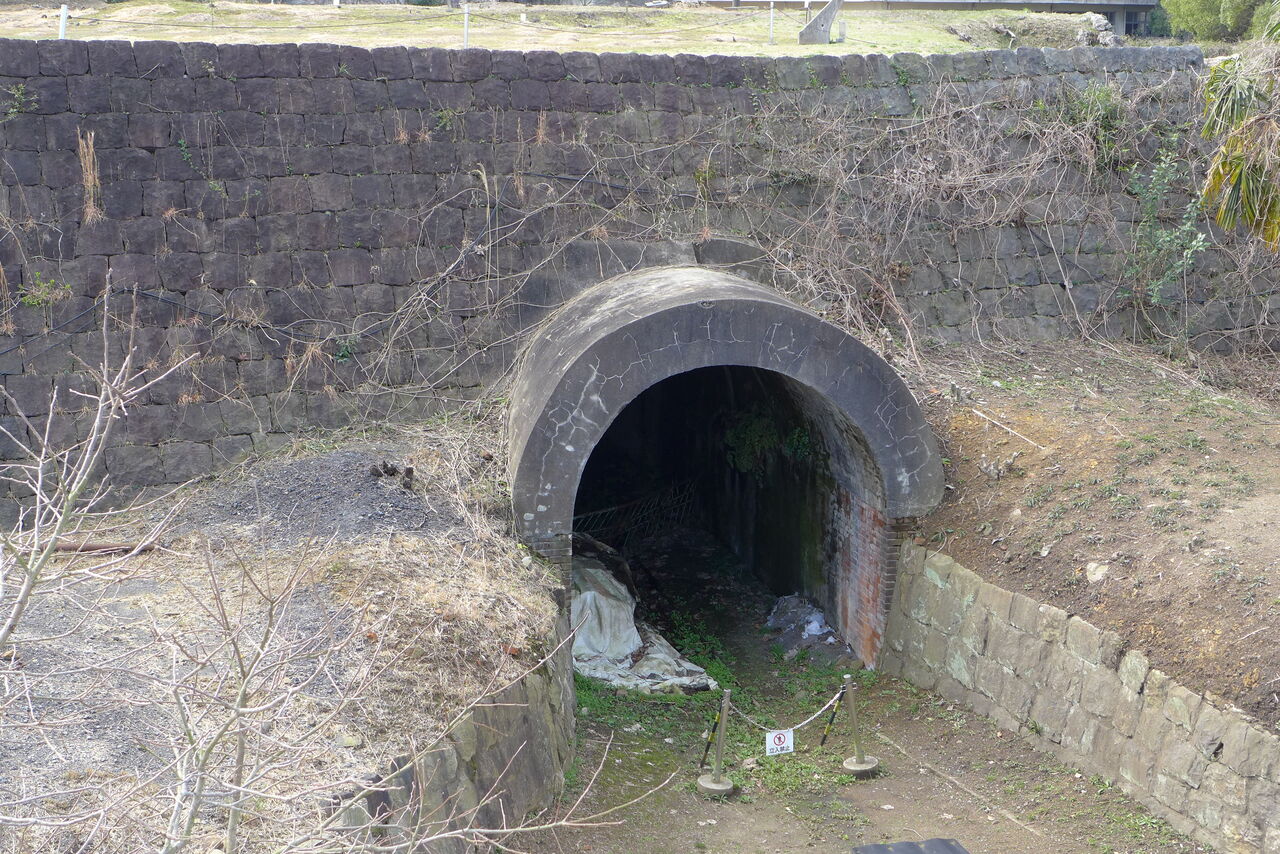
(961, 662)
(972, 632)
(327, 411)
(1013, 649)
(148, 131)
(1083, 639)
(1097, 690)
(20, 168)
(1240, 834)
(989, 678)
(1016, 696)
(65, 57)
(1136, 765)
(934, 653)
(951, 690)
(530, 95)
(135, 465)
(318, 60)
(1133, 670)
(1032, 61)
(1152, 728)
(18, 58)
(1249, 750)
(1169, 791)
(938, 568)
(1264, 800)
(1125, 708)
(950, 307)
(1111, 648)
(791, 73)
(1182, 706)
(1062, 676)
(1050, 714)
(910, 68)
(1204, 810)
(1080, 730)
(112, 59)
(470, 65)
(329, 192)
(585, 67)
(28, 394)
(1052, 626)
(877, 71)
(288, 411)
(1180, 760)
(971, 66)
(1225, 785)
(159, 59)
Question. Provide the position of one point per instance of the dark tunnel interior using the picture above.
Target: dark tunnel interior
(740, 448)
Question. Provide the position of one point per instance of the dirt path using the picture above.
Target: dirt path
(963, 778)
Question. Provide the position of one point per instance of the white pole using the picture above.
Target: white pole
(337, 2)
(62, 22)
(466, 25)
(770, 21)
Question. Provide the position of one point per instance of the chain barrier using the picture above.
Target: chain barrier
(780, 740)
(834, 699)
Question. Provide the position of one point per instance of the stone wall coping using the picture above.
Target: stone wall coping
(165, 59)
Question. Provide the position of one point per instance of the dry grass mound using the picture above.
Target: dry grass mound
(304, 622)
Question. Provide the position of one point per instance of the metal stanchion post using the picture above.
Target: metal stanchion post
(835, 709)
(770, 21)
(62, 21)
(859, 765)
(466, 25)
(715, 783)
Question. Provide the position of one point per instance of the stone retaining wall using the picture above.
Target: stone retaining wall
(1075, 690)
(338, 233)
(502, 761)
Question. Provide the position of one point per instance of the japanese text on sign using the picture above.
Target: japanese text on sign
(779, 741)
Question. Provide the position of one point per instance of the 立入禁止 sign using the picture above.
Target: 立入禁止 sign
(779, 741)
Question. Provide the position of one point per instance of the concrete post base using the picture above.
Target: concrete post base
(708, 786)
(868, 766)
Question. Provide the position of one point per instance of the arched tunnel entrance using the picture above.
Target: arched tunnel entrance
(763, 463)
(803, 450)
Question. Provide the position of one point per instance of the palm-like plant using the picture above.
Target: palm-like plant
(1242, 186)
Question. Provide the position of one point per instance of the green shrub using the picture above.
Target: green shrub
(1158, 23)
(1212, 19)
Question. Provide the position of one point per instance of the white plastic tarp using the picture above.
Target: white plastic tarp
(610, 645)
(603, 611)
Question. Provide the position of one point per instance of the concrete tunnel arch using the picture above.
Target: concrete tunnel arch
(605, 347)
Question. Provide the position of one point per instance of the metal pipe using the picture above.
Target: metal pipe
(853, 722)
(724, 718)
(844, 692)
(62, 21)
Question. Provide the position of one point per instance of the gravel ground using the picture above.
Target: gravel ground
(82, 698)
(332, 495)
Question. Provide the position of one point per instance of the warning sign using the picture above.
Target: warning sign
(780, 741)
